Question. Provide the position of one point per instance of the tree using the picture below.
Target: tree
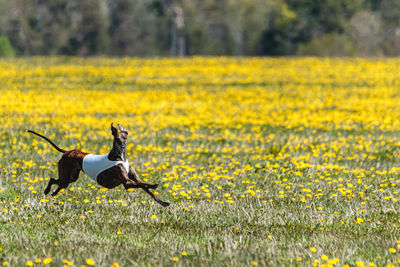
(390, 17)
(6, 49)
(88, 32)
(133, 28)
(365, 32)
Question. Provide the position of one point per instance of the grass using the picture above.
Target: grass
(265, 162)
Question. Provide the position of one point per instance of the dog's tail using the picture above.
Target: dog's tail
(48, 140)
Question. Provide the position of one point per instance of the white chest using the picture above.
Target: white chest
(92, 165)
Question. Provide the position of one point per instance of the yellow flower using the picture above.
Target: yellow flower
(29, 263)
(47, 261)
(175, 259)
(313, 249)
(392, 250)
(154, 217)
(89, 262)
(184, 253)
(67, 262)
(324, 257)
(254, 263)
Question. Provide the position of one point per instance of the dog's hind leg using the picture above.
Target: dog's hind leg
(54, 181)
(57, 190)
(64, 174)
(51, 182)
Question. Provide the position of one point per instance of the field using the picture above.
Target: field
(268, 162)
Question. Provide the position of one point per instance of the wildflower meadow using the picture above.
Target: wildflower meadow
(266, 161)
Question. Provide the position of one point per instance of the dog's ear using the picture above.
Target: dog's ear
(122, 129)
(114, 130)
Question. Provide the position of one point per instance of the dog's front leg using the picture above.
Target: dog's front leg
(134, 177)
(135, 182)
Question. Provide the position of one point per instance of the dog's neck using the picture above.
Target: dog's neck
(117, 153)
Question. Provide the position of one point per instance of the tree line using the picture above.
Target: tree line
(200, 27)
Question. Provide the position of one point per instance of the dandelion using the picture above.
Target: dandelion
(175, 259)
(47, 261)
(29, 263)
(90, 262)
(313, 249)
(154, 217)
(68, 262)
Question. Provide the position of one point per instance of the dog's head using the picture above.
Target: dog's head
(120, 138)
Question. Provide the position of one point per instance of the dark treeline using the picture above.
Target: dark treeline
(200, 27)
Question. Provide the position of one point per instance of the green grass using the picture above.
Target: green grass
(262, 189)
(262, 229)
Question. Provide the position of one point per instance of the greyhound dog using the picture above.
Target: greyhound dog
(109, 170)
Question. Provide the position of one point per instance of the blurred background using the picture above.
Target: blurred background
(200, 27)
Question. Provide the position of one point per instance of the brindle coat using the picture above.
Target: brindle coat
(70, 165)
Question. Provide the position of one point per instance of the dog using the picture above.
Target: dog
(109, 170)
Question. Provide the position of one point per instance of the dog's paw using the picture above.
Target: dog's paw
(164, 204)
